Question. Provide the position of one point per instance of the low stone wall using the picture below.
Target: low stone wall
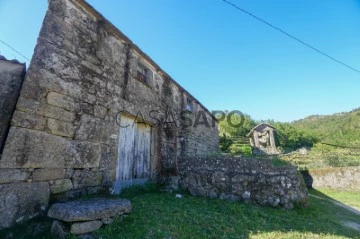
(345, 178)
(253, 180)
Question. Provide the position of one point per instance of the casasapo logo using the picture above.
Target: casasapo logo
(185, 118)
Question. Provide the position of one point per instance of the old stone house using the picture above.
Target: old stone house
(262, 139)
(94, 112)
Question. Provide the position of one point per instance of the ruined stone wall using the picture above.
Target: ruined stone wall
(344, 178)
(64, 133)
(252, 180)
(12, 75)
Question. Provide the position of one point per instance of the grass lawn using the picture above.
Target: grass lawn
(350, 198)
(160, 215)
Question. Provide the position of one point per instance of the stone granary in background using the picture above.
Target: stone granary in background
(94, 113)
(262, 139)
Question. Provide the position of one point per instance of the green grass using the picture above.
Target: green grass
(159, 214)
(38, 228)
(350, 198)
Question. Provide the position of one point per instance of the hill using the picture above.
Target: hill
(337, 141)
(339, 129)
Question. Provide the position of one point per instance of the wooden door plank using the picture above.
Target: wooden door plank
(125, 149)
(142, 151)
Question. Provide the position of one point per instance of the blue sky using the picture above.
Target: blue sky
(225, 58)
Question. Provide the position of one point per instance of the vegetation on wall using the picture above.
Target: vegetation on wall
(233, 139)
(241, 149)
(323, 156)
(225, 143)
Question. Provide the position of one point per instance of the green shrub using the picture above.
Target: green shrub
(290, 138)
(279, 162)
(225, 143)
(244, 150)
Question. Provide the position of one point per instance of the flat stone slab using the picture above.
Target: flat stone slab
(85, 227)
(89, 209)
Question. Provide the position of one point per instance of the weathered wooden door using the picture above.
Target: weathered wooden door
(133, 163)
(141, 163)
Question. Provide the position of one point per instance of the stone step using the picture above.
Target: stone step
(89, 209)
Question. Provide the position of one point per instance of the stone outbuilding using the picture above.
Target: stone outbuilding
(262, 139)
(94, 113)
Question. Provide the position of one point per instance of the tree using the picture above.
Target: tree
(245, 125)
(288, 137)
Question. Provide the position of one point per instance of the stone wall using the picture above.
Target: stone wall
(12, 74)
(254, 180)
(345, 178)
(64, 134)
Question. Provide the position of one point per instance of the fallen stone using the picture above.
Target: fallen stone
(85, 227)
(59, 230)
(246, 195)
(88, 210)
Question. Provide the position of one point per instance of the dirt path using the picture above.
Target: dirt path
(353, 210)
(351, 224)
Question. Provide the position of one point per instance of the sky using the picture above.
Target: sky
(225, 58)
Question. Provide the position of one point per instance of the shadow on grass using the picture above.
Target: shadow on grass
(36, 228)
(39, 227)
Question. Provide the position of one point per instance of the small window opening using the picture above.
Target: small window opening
(189, 105)
(143, 74)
